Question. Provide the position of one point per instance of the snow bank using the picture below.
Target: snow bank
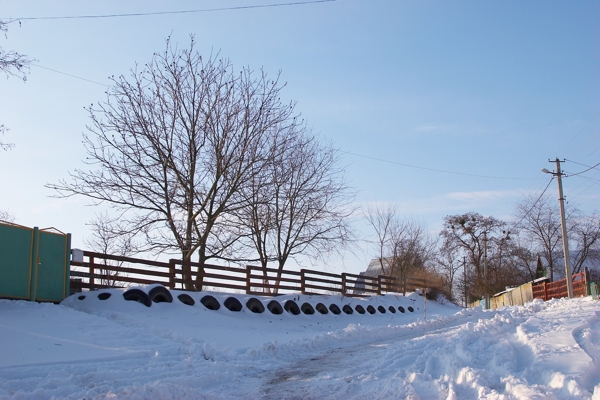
(112, 348)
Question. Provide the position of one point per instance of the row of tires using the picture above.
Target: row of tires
(160, 294)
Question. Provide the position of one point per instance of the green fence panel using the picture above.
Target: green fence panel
(16, 247)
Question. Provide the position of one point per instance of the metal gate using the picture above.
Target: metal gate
(34, 263)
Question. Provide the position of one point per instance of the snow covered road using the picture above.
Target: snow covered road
(123, 350)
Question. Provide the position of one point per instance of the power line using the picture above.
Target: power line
(534, 204)
(584, 128)
(72, 76)
(432, 169)
(297, 3)
(581, 172)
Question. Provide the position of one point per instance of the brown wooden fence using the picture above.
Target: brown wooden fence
(558, 289)
(104, 270)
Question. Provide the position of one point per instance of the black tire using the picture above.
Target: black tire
(307, 309)
(137, 295)
(291, 307)
(371, 310)
(381, 309)
(360, 309)
(210, 302)
(322, 308)
(347, 309)
(275, 307)
(392, 309)
(411, 309)
(233, 304)
(401, 309)
(186, 299)
(335, 309)
(255, 305)
(81, 297)
(160, 294)
(103, 296)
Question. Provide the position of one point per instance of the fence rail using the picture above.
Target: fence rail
(104, 270)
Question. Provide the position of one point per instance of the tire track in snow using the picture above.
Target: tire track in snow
(297, 380)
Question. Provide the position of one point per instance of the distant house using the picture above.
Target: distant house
(373, 270)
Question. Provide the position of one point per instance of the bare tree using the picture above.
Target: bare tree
(6, 216)
(383, 219)
(539, 223)
(173, 145)
(12, 64)
(107, 239)
(447, 264)
(404, 246)
(5, 146)
(466, 233)
(300, 204)
(585, 240)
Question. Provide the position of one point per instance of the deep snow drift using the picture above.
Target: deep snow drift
(95, 349)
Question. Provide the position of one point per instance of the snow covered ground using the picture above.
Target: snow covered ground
(116, 349)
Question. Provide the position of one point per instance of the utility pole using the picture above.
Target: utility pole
(465, 281)
(485, 272)
(565, 239)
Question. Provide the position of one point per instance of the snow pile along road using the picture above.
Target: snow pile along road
(112, 348)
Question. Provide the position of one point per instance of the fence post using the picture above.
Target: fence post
(545, 292)
(248, 273)
(171, 274)
(378, 285)
(344, 288)
(91, 273)
(302, 281)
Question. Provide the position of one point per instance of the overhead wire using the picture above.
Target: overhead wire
(144, 14)
(432, 169)
(535, 203)
(71, 75)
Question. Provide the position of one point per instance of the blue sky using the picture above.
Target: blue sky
(491, 88)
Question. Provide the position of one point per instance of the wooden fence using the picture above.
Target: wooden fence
(545, 291)
(104, 270)
(558, 289)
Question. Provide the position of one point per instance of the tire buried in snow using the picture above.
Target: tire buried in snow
(401, 309)
(347, 309)
(186, 299)
(322, 308)
(255, 305)
(291, 307)
(381, 309)
(104, 296)
(160, 294)
(410, 309)
(392, 309)
(275, 307)
(233, 304)
(359, 309)
(335, 309)
(371, 309)
(210, 302)
(307, 309)
(137, 295)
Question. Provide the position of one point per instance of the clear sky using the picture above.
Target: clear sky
(460, 88)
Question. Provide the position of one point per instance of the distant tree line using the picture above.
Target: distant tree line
(511, 249)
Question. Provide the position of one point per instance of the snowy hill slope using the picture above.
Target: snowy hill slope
(113, 348)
